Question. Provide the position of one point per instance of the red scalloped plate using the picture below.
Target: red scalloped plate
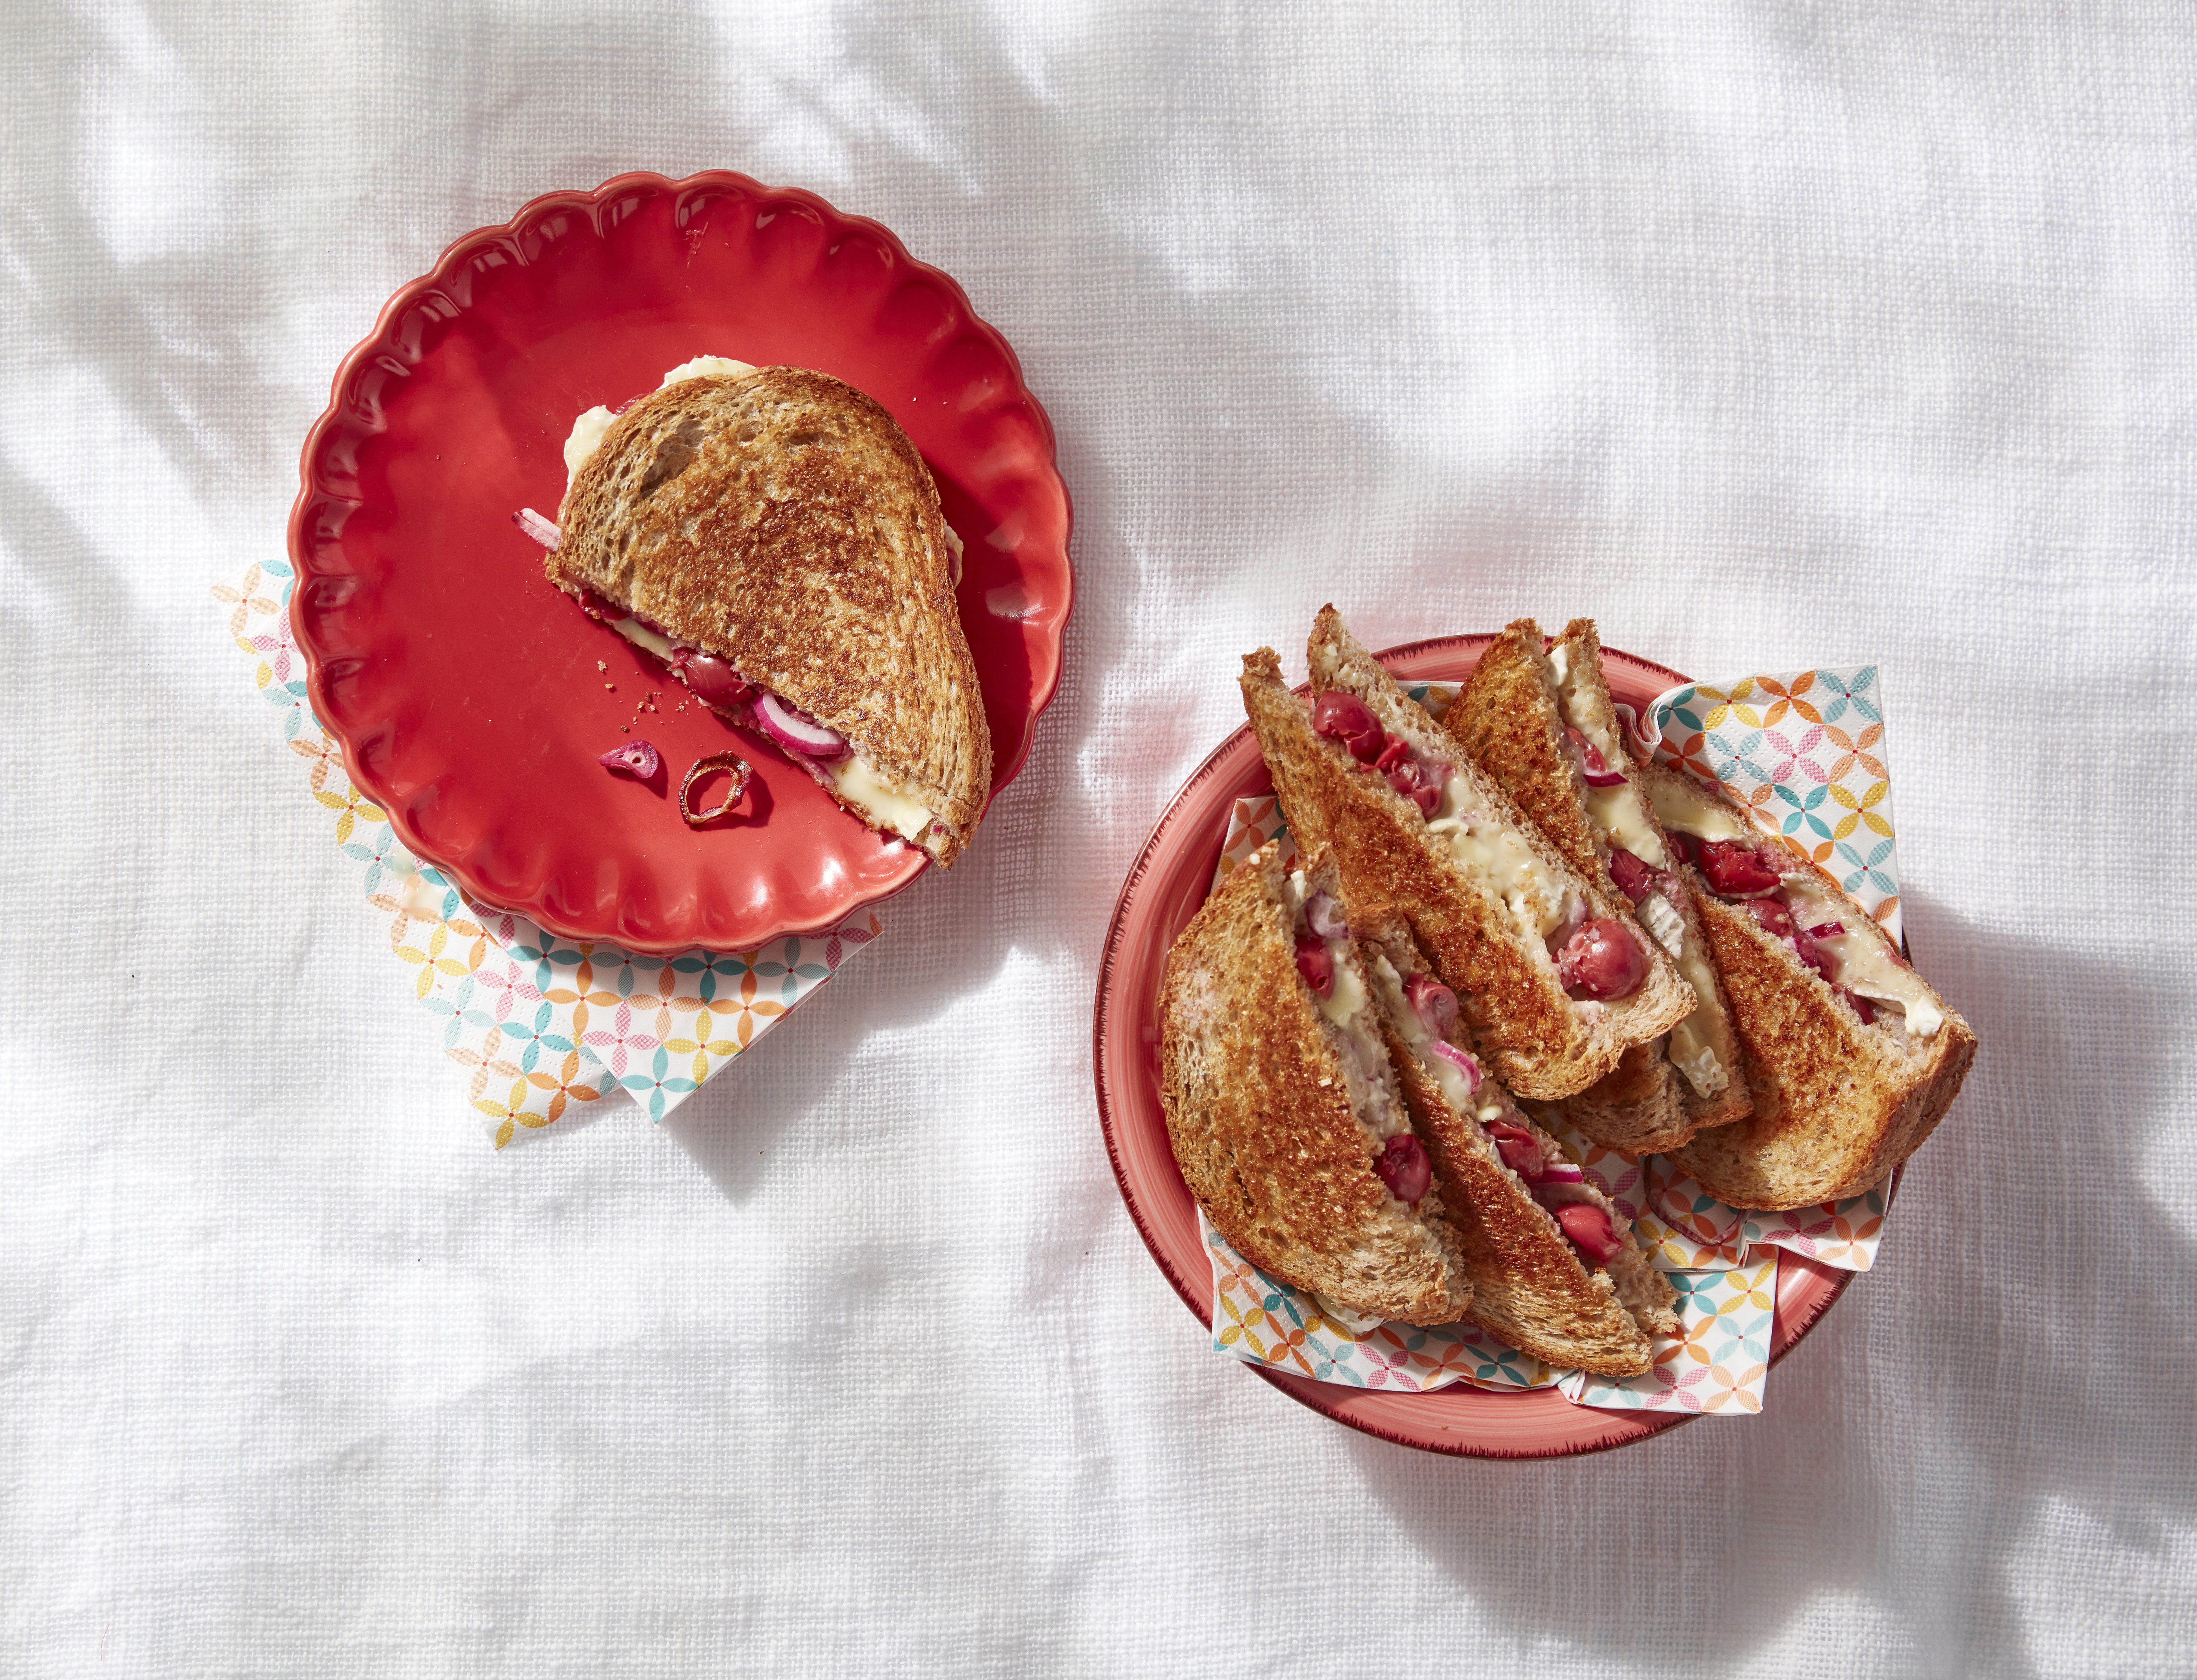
(463, 686)
(1168, 881)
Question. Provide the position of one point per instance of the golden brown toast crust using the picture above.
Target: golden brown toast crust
(1262, 1127)
(1834, 1109)
(1522, 1025)
(1540, 1042)
(1528, 1286)
(1837, 1104)
(1639, 1105)
(783, 520)
(1508, 719)
(1504, 718)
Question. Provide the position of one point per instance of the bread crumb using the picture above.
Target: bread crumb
(602, 665)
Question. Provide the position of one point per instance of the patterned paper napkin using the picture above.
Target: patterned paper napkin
(1804, 752)
(540, 1023)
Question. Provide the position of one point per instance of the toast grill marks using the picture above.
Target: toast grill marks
(1506, 1182)
(1281, 1104)
(1851, 1057)
(780, 520)
(1544, 726)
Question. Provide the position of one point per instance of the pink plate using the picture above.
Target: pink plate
(463, 686)
(1169, 882)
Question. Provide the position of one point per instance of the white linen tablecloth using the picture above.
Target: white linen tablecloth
(1766, 335)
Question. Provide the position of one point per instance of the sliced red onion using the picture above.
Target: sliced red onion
(637, 759)
(1563, 1173)
(543, 531)
(1860, 1006)
(1521, 1149)
(1404, 1168)
(1461, 1061)
(796, 731)
(1590, 1231)
(1316, 963)
(1687, 849)
(1828, 930)
(1434, 1003)
(716, 761)
(600, 608)
(1324, 912)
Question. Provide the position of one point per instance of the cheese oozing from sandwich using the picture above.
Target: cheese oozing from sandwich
(1860, 962)
(1620, 812)
(855, 779)
(1347, 1009)
(1486, 845)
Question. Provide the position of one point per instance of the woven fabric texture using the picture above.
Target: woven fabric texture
(1768, 336)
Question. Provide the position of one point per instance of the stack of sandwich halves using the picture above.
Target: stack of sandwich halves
(1504, 906)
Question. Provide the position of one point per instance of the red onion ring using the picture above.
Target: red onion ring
(716, 761)
(639, 759)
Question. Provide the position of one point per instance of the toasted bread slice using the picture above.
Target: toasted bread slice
(781, 520)
(1280, 1103)
(1531, 718)
(1531, 1285)
(1482, 888)
(1849, 1072)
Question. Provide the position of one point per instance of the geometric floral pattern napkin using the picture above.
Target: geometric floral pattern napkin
(539, 1024)
(1803, 751)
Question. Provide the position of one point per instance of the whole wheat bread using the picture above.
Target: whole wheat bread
(1264, 1101)
(1838, 1103)
(1511, 719)
(1529, 1285)
(782, 520)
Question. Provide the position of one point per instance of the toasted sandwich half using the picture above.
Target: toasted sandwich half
(1557, 980)
(1542, 723)
(1554, 1265)
(1282, 1107)
(774, 536)
(1852, 1059)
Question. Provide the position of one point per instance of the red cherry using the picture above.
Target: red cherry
(1404, 1168)
(1350, 721)
(1735, 869)
(1603, 960)
(1631, 874)
(1591, 1230)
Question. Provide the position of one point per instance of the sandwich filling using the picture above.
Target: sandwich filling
(1596, 958)
(824, 754)
(1424, 1011)
(1639, 865)
(1326, 959)
(1794, 909)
